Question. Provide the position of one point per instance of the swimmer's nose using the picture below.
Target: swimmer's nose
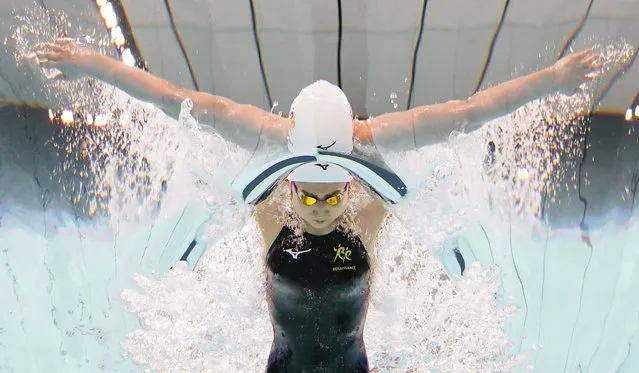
(325, 212)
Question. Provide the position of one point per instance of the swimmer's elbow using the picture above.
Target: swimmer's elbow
(471, 115)
(206, 107)
(438, 121)
(480, 109)
(170, 99)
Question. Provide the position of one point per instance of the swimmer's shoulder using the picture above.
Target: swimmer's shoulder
(362, 132)
(270, 220)
(369, 221)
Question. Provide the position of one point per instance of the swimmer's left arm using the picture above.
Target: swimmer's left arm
(433, 123)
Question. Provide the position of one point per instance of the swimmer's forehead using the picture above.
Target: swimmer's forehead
(321, 189)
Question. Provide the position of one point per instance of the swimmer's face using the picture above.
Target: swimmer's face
(320, 214)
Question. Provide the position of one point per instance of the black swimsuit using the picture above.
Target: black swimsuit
(317, 294)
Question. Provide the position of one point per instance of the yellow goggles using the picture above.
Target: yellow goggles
(310, 200)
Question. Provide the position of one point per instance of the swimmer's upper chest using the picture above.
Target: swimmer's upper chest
(319, 262)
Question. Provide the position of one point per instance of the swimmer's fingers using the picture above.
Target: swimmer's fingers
(587, 64)
(48, 56)
(65, 41)
(54, 47)
(584, 52)
(590, 59)
(53, 51)
(69, 45)
(594, 71)
(579, 89)
(595, 61)
(58, 76)
(593, 67)
(48, 63)
(49, 51)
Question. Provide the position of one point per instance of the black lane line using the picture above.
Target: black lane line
(576, 31)
(259, 54)
(339, 43)
(415, 54)
(585, 232)
(127, 31)
(188, 250)
(489, 56)
(582, 225)
(521, 282)
(460, 260)
(178, 37)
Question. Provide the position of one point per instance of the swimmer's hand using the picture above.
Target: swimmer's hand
(575, 69)
(70, 58)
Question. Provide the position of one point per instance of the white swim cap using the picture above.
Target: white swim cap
(321, 118)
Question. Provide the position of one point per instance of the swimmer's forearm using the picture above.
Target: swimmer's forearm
(507, 97)
(434, 123)
(138, 83)
(431, 124)
(240, 124)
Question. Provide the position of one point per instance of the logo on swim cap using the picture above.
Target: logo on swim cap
(321, 118)
(324, 147)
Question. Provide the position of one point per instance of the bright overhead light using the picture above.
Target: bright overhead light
(109, 16)
(117, 36)
(67, 117)
(127, 57)
(628, 115)
(100, 120)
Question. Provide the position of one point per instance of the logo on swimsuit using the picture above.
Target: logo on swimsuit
(296, 253)
(344, 254)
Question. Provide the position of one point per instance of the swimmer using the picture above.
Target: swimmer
(318, 264)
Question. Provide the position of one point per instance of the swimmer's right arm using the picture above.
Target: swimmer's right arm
(428, 124)
(235, 122)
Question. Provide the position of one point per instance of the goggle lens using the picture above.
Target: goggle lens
(310, 201)
(334, 200)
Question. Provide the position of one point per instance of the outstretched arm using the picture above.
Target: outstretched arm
(433, 123)
(237, 123)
